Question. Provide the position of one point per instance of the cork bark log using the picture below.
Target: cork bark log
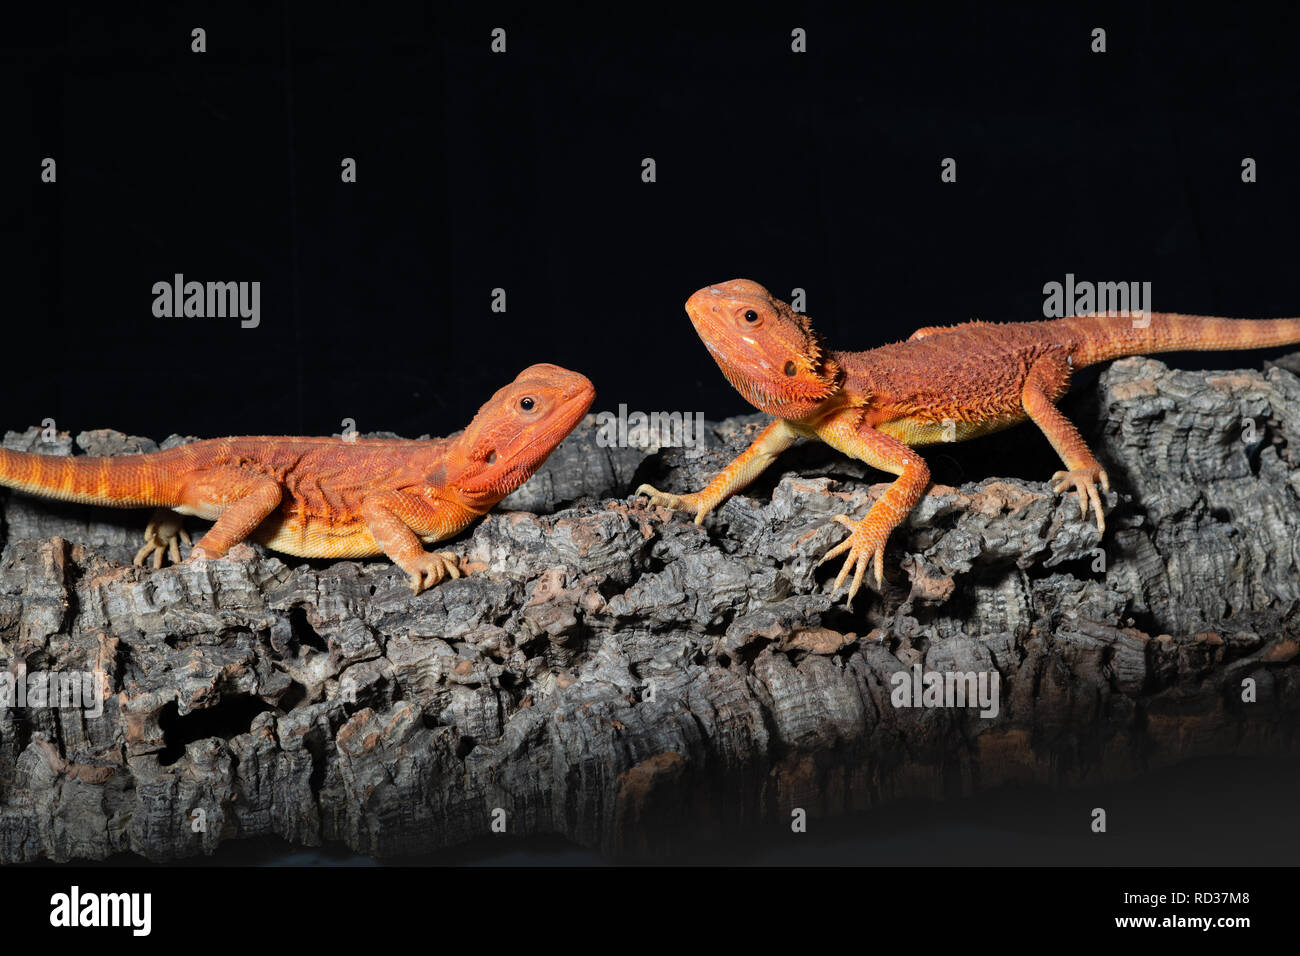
(633, 682)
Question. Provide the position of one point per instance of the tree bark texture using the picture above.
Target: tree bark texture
(633, 682)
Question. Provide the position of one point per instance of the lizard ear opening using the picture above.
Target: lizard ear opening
(791, 369)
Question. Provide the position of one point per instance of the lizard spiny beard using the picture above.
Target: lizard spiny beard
(817, 377)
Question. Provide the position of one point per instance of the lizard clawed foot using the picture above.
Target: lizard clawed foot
(430, 568)
(692, 503)
(866, 546)
(1084, 482)
(162, 536)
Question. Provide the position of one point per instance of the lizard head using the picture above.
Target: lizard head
(769, 352)
(516, 430)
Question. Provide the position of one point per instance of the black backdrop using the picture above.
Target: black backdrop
(523, 171)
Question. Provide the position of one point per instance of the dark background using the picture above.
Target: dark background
(523, 171)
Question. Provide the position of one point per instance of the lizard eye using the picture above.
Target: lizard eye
(791, 369)
(751, 316)
(491, 457)
(526, 404)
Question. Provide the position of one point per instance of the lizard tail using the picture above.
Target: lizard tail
(1107, 337)
(130, 481)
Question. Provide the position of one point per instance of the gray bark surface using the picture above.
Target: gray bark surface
(633, 682)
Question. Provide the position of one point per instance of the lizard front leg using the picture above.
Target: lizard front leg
(1048, 378)
(398, 520)
(866, 542)
(748, 465)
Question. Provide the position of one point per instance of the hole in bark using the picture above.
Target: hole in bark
(292, 697)
(303, 632)
(1254, 452)
(232, 716)
(1149, 623)
(464, 746)
(749, 653)
(840, 618)
(316, 748)
(608, 587)
(21, 729)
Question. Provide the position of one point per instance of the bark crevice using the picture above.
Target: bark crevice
(633, 682)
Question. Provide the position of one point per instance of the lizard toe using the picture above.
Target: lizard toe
(843, 546)
(1083, 482)
(430, 568)
(161, 540)
(451, 563)
(692, 504)
(866, 550)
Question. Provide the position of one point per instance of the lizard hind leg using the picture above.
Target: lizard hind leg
(240, 500)
(162, 537)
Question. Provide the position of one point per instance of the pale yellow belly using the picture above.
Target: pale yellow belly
(916, 432)
(318, 539)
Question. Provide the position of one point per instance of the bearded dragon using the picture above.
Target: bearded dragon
(942, 384)
(327, 497)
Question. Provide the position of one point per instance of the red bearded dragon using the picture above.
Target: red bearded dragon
(327, 497)
(942, 384)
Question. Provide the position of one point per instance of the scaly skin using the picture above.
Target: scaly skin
(328, 497)
(961, 381)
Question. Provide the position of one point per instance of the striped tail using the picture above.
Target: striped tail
(1105, 337)
(128, 481)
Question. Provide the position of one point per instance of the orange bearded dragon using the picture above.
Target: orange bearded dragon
(327, 497)
(943, 383)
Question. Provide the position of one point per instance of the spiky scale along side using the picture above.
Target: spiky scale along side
(942, 384)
